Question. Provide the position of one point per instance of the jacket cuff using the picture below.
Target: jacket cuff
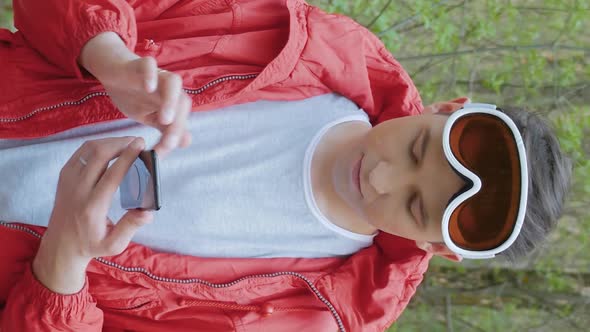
(129, 37)
(122, 25)
(72, 304)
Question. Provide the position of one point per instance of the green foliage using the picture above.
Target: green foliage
(504, 52)
(573, 130)
(557, 282)
(5, 14)
(491, 317)
(422, 319)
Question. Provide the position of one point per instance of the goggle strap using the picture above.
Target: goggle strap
(480, 106)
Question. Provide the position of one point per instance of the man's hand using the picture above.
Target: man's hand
(139, 89)
(79, 228)
(167, 108)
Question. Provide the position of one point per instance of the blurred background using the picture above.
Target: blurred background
(533, 54)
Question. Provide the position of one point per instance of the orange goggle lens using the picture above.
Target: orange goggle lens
(486, 146)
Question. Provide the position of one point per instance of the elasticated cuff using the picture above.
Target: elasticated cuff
(64, 304)
(126, 29)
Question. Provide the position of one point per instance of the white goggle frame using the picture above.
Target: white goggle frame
(482, 109)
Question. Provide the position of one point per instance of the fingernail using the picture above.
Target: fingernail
(172, 140)
(137, 144)
(163, 154)
(147, 216)
(168, 116)
(151, 85)
(187, 139)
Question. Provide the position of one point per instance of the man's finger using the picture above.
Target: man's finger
(121, 234)
(173, 134)
(113, 176)
(170, 87)
(147, 70)
(89, 148)
(94, 155)
(186, 139)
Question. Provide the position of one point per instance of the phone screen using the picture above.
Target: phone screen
(140, 188)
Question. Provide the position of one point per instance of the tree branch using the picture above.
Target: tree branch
(380, 14)
(427, 66)
(543, 9)
(407, 21)
(449, 317)
(468, 324)
(494, 49)
(551, 307)
(453, 78)
(576, 86)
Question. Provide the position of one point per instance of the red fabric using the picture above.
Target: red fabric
(295, 51)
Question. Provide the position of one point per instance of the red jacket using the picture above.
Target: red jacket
(227, 52)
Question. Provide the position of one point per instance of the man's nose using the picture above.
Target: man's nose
(381, 177)
(387, 177)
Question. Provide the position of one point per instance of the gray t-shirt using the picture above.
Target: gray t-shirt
(242, 189)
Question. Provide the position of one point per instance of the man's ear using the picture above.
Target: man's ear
(439, 249)
(446, 106)
(460, 100)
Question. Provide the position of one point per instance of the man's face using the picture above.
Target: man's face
(405, 179)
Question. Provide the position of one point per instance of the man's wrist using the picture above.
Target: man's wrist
(60, 272)
(104, 54)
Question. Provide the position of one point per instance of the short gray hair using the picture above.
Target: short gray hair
(549, 182)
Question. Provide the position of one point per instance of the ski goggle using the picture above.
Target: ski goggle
(484, 146)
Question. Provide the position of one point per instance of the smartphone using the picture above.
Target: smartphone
(140, 188)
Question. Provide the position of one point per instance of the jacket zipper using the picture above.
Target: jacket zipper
(104, 94)
(147, 273)
(264, 309)
(128, 308)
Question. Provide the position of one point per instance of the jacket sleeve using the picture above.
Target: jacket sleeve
(32, 307)
(58, 29)
(367, 73)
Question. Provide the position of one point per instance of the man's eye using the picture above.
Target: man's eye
(415, 148)
(415, 209)
(411, 205)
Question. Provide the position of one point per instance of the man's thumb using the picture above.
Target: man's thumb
(122, 233)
